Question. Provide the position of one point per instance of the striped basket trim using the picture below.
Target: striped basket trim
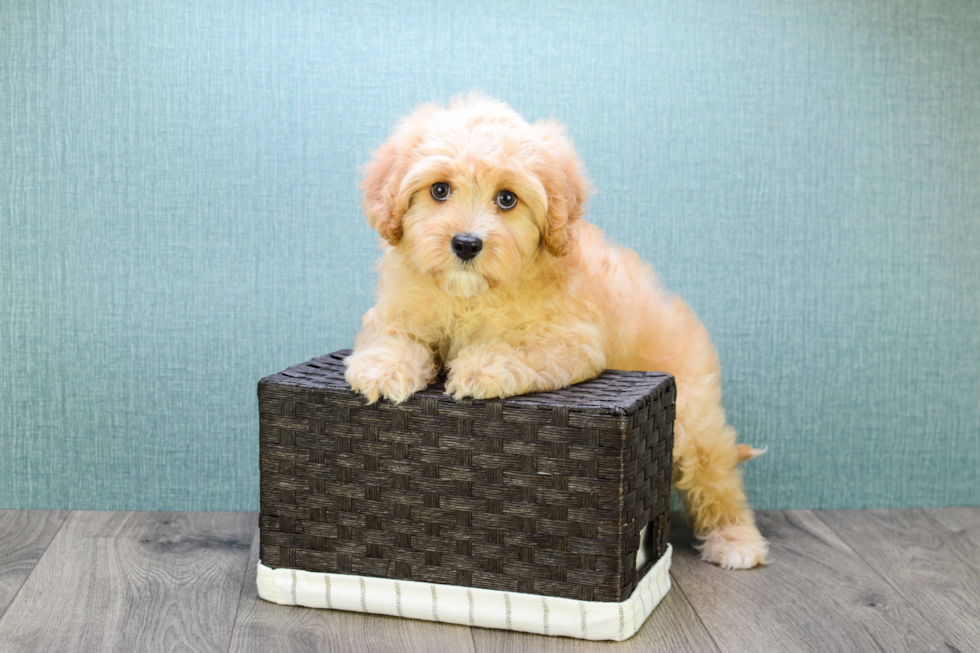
(469, 606)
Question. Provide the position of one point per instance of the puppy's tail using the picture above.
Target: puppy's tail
(745, 452)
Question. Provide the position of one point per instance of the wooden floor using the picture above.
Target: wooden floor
(896, 580)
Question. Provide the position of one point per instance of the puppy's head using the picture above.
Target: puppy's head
(473, 195)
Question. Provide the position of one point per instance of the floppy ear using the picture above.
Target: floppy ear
(382, 205)
(565, 184)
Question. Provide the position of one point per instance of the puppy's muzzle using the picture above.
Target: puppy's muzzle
(466, 247)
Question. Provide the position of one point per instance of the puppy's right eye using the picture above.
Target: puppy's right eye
(440, 191)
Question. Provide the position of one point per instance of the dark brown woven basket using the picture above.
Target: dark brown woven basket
(543, 494)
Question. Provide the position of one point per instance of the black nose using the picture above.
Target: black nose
(466, 246)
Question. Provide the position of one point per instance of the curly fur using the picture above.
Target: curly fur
(548, 301)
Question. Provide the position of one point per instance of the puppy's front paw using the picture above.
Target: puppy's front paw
(736, 546)
(393, 374)
(486, 374)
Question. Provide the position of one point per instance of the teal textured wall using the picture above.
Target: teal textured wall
(178, 218)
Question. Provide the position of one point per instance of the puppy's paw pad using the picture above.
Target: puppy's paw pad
(380, 374)
(735, 547)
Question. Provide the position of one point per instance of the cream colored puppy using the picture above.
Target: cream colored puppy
(490, 272)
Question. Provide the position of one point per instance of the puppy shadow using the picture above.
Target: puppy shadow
(682, 535)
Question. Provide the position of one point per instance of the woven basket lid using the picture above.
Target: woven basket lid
(613, 392)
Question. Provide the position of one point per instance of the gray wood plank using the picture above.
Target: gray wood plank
(123, 581)
(673, 628)
(24, 536)
(816, 595)
(964, 524)
(931, 557)
(262, 626)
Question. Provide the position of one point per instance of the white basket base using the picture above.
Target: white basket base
(470, 606)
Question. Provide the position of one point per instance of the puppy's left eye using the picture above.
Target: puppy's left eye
(440, 191)
(506, 200)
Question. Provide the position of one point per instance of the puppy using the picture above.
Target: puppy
(490, 271)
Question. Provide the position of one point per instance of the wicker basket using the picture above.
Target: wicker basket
(542, 495)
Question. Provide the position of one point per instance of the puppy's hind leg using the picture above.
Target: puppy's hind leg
(705, 470)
